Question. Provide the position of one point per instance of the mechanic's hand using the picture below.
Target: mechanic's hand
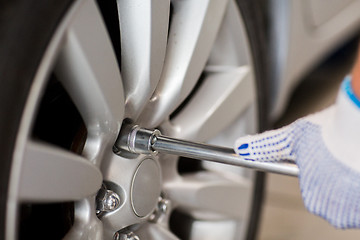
(326, 148)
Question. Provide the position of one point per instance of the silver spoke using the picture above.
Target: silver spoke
(193, 31)
(86, 226)
(142, 51)
(51, 174)
(225, 92)
(210, 193)
(231, 46)
(88, 69)
(153, 231)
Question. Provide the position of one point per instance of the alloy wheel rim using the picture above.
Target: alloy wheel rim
(74, 54)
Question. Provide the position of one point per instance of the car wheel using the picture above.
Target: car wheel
(74, 71)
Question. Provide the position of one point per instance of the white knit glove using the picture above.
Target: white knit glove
(326, 148)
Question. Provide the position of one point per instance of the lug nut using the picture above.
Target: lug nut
(163, 205)
(126, 236)
(162, 208)
(107, 201)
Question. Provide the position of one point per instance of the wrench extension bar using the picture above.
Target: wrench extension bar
(137, 140)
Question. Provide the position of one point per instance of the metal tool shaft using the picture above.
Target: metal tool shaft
(143, 141)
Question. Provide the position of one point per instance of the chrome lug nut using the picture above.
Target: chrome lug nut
(163, 205)
(107, 201)
(162, 208)
(126, 236)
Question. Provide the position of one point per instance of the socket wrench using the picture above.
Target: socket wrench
(135, 139)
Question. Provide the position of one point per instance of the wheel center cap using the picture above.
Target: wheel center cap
(145, 187)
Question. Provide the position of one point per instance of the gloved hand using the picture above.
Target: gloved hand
(326, 148)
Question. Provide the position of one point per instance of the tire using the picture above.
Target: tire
(16, 26)
(48, 111)
(254, 15)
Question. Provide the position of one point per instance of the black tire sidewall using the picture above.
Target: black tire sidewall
(254, 17)
(26, 28)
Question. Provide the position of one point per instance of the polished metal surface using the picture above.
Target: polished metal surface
(107, 200)
(163, 205)
(142, 145)
(126, 236)
(200, 151)
(163, 208)
(218, 154)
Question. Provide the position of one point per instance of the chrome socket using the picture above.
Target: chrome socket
(137, 140)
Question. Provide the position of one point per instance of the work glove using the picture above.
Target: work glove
(326, 148)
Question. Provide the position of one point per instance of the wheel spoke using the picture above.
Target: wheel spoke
(51, 174)
(86, 225)
(223, 93)
(153, 231)
(88, 69)
(231, 47)
(211, 193)
(193, 30)
(143, 50)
